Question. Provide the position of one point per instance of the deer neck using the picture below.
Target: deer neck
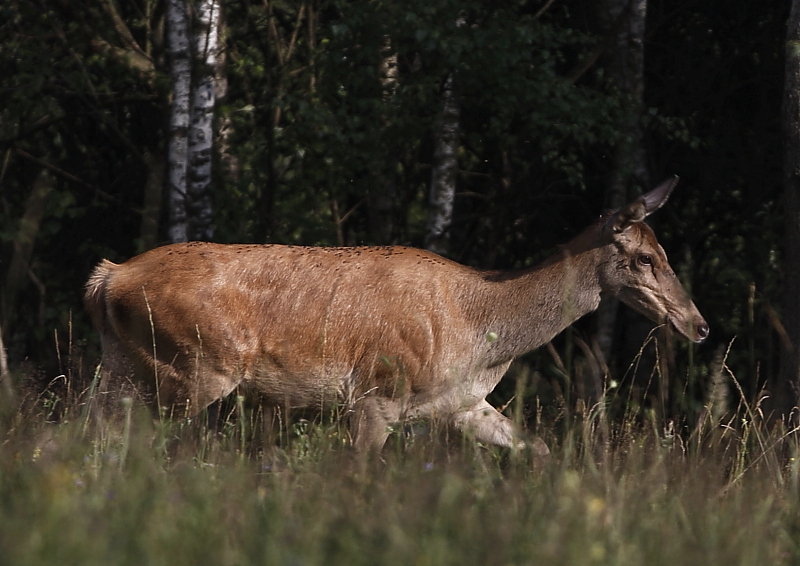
(529, 308)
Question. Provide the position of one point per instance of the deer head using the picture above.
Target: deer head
(636, 269)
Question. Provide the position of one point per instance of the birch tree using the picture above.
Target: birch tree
(790, 363)
(193, 66)
(444, 170)
(201, 134)
(443, 174)
(177, 151)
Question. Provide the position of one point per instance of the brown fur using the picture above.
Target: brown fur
(393, 333)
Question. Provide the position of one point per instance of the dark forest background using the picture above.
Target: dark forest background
(326, 121)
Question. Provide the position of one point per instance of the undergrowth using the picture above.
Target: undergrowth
(180, 491)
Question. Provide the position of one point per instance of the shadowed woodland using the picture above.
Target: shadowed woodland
(490, 132)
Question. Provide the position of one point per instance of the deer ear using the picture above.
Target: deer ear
(642, 207)
(656, 198)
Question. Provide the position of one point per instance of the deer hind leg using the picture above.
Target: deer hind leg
(486, 424)
(483, 422)
(113, 381)
(176, 388)
(185, 394)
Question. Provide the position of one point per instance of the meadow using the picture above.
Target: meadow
(630, 491)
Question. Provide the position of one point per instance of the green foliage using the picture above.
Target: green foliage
(358, 128)
(67, 105)
(322, 136)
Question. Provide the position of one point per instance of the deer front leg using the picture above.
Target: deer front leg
(486, 424)
(370, 421)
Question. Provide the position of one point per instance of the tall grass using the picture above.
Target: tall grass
(182, 492)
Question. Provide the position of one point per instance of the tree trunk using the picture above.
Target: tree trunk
(7, 393)
(383, 195)
(177, 151)
(443, 174)
(201, 133)
(19, 267)
(790, 362)
(625, 66)
(151, 209)
(229, 162)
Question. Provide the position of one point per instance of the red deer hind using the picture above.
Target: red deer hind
(392, 333)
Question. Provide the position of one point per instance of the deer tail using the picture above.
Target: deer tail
(95, 296)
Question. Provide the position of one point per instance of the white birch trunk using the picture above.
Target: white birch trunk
(177, 151)
(201, 133)
(445, 170)
(443, 174)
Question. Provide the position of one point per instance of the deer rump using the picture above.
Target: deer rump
(391, 333)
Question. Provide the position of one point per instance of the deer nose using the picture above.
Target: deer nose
(701, 329)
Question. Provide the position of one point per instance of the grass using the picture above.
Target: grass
(727, 493)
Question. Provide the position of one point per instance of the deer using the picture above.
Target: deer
(392, 334)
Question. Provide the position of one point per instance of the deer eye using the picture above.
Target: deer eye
(645, 259)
